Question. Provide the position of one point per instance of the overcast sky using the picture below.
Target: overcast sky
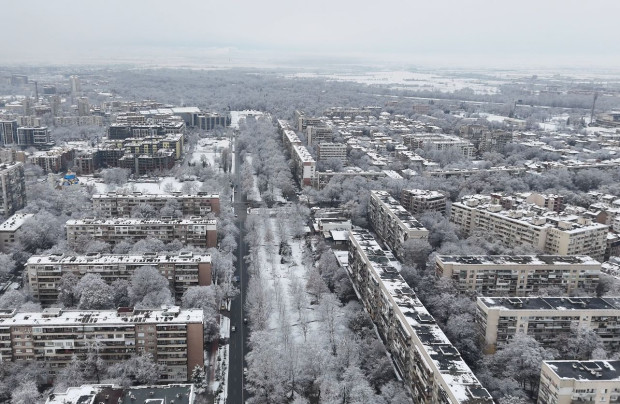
(450, 31)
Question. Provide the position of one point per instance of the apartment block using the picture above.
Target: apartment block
(121, 205)
(418, 201)
(195, 231)
(12, 187)
(485, 139)
(182, 270)
(431, 368)
(392, 223)
(302, 121)
(9, 230)
(173, 336)
(547, 319)
(37, 137)
(304, 165)
(54, 160)
(319, 134)
(8, 132)
(327, 151)
(109, 393)
(569, 382)
(290, 139)
(529, 224)
(437, 141)
(520, 275)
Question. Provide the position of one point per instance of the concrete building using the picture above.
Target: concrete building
(173, 336)
(76, 85)
(9, 230)
(195, 231)
(431, 368)
(437, 141)
(34, 136)
(549, 320)
(182, 270)
(327, 151)
(528, 224)
(108, 393)
(8, 133)
(121, 205)
(302, 121)
(53, 161)
(12, 188)
(521, 275)
(418, 201)
(210, 121)
(392, 223)
(290, 139)
(83, 108)
(304, 165)
(569, 382)
(319, 134)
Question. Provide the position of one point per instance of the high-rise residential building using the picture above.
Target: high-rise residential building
(571, 381)
(196, 231)
(304, 165)
(418, 201)
(112, 394)
(121, 205)
(83, 108)
(12, 187)
(529, 224)
(392, 223)
(8, 133)
(174, 337)
(549, 320)
(183, 270)
(430, 366)
(327, 151)
(319, 134)
(10, 229)
(33, 136)
(519, 275)
(76, 86)
(437, 141)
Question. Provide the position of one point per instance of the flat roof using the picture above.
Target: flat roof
(446, 359)
(140, 195)
(586, 370)
(59, 317)
(132, 221)
(527, 260)
(109, 259)
(398, 210)
(15, 222)
(551, 303)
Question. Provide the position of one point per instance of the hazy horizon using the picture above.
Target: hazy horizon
(476, 33)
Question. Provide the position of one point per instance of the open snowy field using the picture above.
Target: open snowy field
(209, 150)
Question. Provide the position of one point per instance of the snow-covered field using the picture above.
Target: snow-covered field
(411, 81)
(209, 150)
(160, 185)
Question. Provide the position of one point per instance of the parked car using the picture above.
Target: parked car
(233, 328)
(245, 320)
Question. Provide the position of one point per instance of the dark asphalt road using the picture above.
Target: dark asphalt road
(238, 339)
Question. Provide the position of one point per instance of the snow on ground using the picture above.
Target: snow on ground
(236, 116)
(211, 149)
(220, 384)
(280, 276)
(405, 80)
(255, 194)
(159, 185)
